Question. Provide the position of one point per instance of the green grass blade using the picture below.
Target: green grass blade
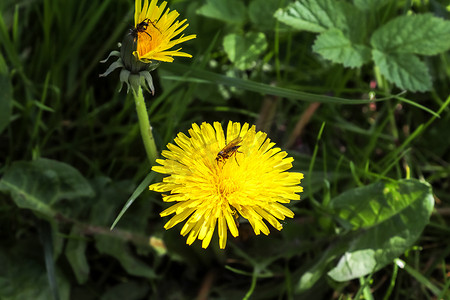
(262, 88)
(418, 276)
(141, 187)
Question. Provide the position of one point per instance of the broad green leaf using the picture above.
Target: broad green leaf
(317, 271)
(39, 185)
(370, 5)
(420, 34)
(244, 51)
(24, 277)
(321, 15)
(230, 11)
(373, 204)
(403, 69)
(261, 13)
(120, 250)
(6, 95)
(334, 46)
(76, 255)
(110, 196)
(374, 248)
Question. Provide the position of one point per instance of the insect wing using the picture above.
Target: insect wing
(230, 149)
(231, 146)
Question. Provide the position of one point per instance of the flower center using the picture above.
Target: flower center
(148, 40)
(226, 186)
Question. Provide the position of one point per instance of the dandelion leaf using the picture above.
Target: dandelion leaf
(392, 217)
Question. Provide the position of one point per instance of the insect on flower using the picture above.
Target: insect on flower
(229, 150)
(212, 200)
(142, 27)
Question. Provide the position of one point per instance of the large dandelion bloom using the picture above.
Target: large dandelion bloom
(213, 179)
(155, 30)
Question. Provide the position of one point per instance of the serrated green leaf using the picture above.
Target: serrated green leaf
(370, 5)
(334, 46)
(376, 247)
(404, 70)
(244, 51)
(420, 34)
(76, 255)
(321, 15)
(40, 184)
(230, 11)
(261, 13)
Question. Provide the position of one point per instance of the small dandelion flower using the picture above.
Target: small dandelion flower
(148, 44)
(159, 29)
(213, 179)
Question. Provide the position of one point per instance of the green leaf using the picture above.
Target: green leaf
(261, 13)
(420, 34)
(316, 272)
(24, 277)
(374, 248)
(244, 51)
(370, 5)
(334, 46)
(230, 11)
(110, 196)
(405, 70)
(6, 96)
(373, 204)
(321, 15)
(119, 249)
(40, 184)
(76, 255)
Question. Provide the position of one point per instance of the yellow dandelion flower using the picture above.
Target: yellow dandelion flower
(213, 178)
(155, 30)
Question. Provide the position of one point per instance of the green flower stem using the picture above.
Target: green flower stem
(144, 125)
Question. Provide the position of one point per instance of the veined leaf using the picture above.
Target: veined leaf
(333, 45)
(397, 227)
(420, 34)
(405, 70)
(370, 5)
(40, 184)
(321, 15)
(367, 206)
